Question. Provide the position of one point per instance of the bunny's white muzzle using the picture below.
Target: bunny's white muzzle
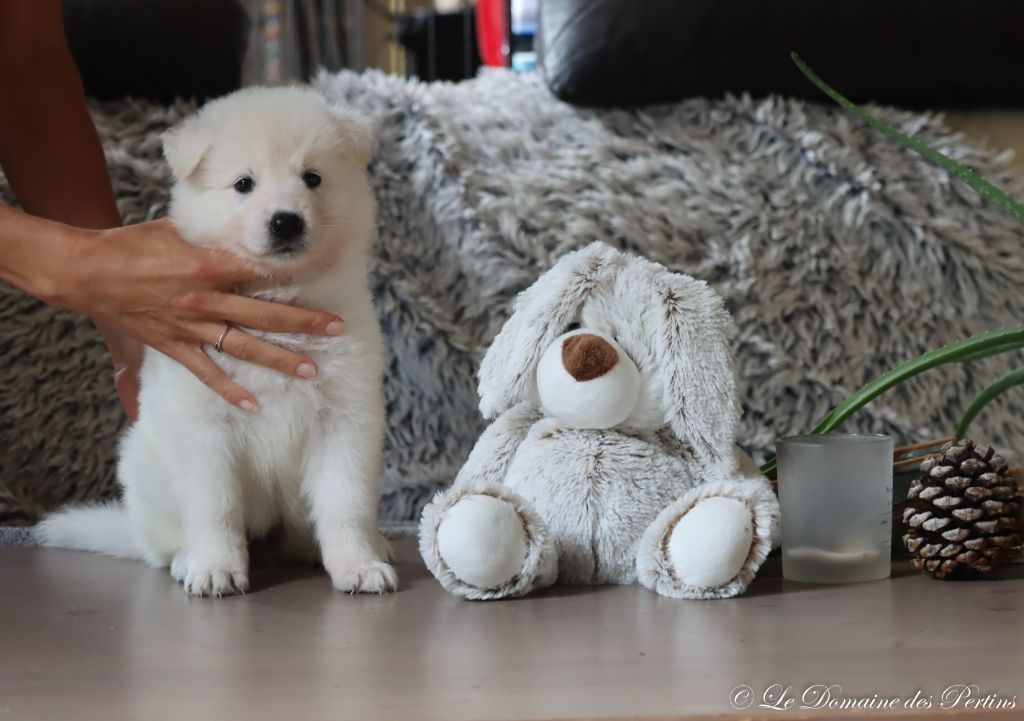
(587, 381)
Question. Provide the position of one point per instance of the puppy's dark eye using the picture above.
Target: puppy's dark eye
(244, 185)
(311, 179)
(571, 327)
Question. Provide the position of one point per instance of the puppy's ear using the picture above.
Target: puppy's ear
(185, 145)
(691, 341)
(354, 136)
(540, 314)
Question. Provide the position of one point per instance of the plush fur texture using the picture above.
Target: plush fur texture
(838, 253)
(199, 477)
(583, 491)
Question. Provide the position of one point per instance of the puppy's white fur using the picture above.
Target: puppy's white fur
(199, 477)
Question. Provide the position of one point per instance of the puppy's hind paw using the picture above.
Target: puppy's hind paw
(371, 577)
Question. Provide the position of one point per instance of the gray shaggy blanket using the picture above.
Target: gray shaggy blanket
(839, 253)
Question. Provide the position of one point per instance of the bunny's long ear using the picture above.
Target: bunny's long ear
(539, 315)
(692, 350)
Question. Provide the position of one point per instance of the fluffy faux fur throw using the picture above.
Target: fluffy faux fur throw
(838, 253)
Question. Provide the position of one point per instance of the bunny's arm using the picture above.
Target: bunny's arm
(479, 538)
(491, 456)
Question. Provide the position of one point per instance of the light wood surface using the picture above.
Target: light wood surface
(87, 637)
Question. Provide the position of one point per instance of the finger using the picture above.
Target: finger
(126, 381)
(246, 347)
(200, 365)
(126, 353)
(272, 317)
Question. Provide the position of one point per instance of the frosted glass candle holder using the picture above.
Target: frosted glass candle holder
(835, 491)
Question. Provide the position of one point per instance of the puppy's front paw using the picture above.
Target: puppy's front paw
(209, 579)
(179, 566)
(363, 577)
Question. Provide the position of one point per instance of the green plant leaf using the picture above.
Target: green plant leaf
(967, 175)
(998, 387)
(973, 348)
(995, 350)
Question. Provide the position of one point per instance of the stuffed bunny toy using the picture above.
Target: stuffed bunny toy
(612, 455)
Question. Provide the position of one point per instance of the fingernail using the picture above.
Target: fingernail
(306, 370)
(335, 327)
(247, 405)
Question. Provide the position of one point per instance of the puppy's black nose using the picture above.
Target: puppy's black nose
(286, 231)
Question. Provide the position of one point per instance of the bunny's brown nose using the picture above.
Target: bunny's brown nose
(587, 356)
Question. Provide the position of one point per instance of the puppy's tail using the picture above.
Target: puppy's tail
(102, 528)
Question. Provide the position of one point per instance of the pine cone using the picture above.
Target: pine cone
(963, 517)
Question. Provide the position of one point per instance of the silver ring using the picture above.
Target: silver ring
(219, 347)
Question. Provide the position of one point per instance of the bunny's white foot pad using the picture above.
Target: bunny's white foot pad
(710, 542)
(709, 545)
(482, 541)
(486, 542)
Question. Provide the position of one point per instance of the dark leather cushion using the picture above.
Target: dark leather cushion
(907, 52)
(157, 49)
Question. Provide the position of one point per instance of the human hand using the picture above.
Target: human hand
(145, 283)
(126, 354)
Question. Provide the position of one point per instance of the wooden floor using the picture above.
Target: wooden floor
(85, 637)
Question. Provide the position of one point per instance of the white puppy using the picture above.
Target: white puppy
(276, 176)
